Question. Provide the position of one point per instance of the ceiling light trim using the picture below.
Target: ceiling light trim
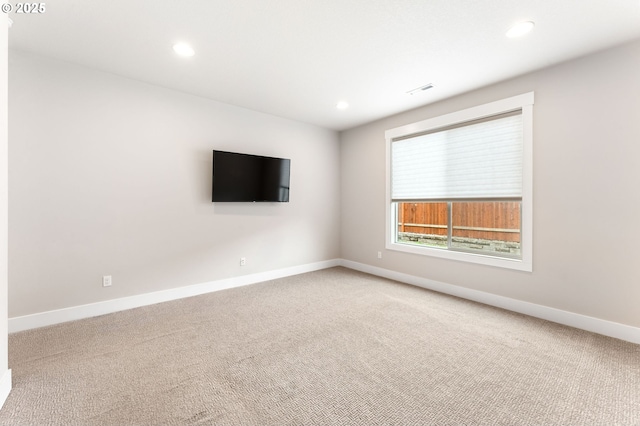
(520, 29)
(183, 49)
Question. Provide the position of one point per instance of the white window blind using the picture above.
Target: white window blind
(476, 160)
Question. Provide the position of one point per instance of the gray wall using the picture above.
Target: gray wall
(110, 176)
(3, 196)
(586, 189)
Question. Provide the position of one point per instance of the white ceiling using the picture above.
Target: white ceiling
(298, 58)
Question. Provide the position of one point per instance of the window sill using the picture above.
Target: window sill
(478, 258)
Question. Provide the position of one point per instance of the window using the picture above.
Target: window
(459, 186)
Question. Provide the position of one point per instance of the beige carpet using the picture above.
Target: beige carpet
(333, 347)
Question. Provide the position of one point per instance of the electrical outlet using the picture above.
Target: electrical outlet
(243, 261)
(379, 255)
(106, 280)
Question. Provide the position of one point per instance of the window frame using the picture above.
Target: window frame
(522, 102)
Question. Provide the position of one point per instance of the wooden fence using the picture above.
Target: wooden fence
(498, 220)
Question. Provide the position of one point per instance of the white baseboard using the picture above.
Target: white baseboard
(5, 387)
(42, 319)
(607, 328)
(583, 322)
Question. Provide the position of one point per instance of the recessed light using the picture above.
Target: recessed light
(342, 105)
(183, 49)
(520, 29)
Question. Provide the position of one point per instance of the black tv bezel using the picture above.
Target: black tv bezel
(253, 199)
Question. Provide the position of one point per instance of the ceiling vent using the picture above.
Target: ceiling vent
(420, 89)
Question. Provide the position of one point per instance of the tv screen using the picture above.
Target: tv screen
(249, 178)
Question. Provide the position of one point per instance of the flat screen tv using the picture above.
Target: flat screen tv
(249, 178)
